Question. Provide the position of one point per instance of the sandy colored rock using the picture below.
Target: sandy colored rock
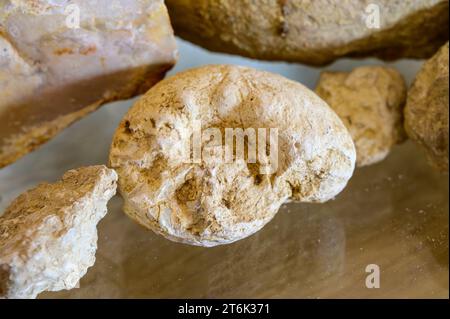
(52, 73)
(426, 112)
(369, 100)
(48, 235)
(313, 32)
(215, 201)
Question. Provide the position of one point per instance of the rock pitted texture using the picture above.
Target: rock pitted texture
(369, 101)
(214, 201)
(313, 31)
(426, 112)
(52, 73)
(48, 235)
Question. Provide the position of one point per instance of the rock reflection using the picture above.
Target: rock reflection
(286, 259)
(392, 214)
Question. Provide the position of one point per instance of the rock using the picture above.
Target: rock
(313, 32)
(369, 100)
(52, 73)
(426, 112)
(48, 235)
(170, 152)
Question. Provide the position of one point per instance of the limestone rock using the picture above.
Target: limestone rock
(53, 72)
(211, 200)
(48, 235)
(369, 100)
(314, 32)
(426, 112)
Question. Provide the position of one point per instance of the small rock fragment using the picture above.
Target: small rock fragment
(369, 100)
(48, 235)
(427, 109)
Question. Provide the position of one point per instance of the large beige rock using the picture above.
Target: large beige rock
(313, 31)
(52, 73)
(426, 112)
(48, 235)
(370, 101)
(209, 200)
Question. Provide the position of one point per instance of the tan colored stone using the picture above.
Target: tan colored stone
(213, 201)
(52, 74)
(369, 100)
(426, 112)
(48, 235)
(314, 32)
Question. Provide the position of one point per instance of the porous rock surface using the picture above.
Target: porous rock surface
(213, 201)
(427, 109)
(48, 235)
(370, 101)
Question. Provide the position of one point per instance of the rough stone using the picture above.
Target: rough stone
(52, 73)
(370, 101)
(48, 235)
(215, 201)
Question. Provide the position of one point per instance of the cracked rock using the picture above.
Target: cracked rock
(48, 235)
